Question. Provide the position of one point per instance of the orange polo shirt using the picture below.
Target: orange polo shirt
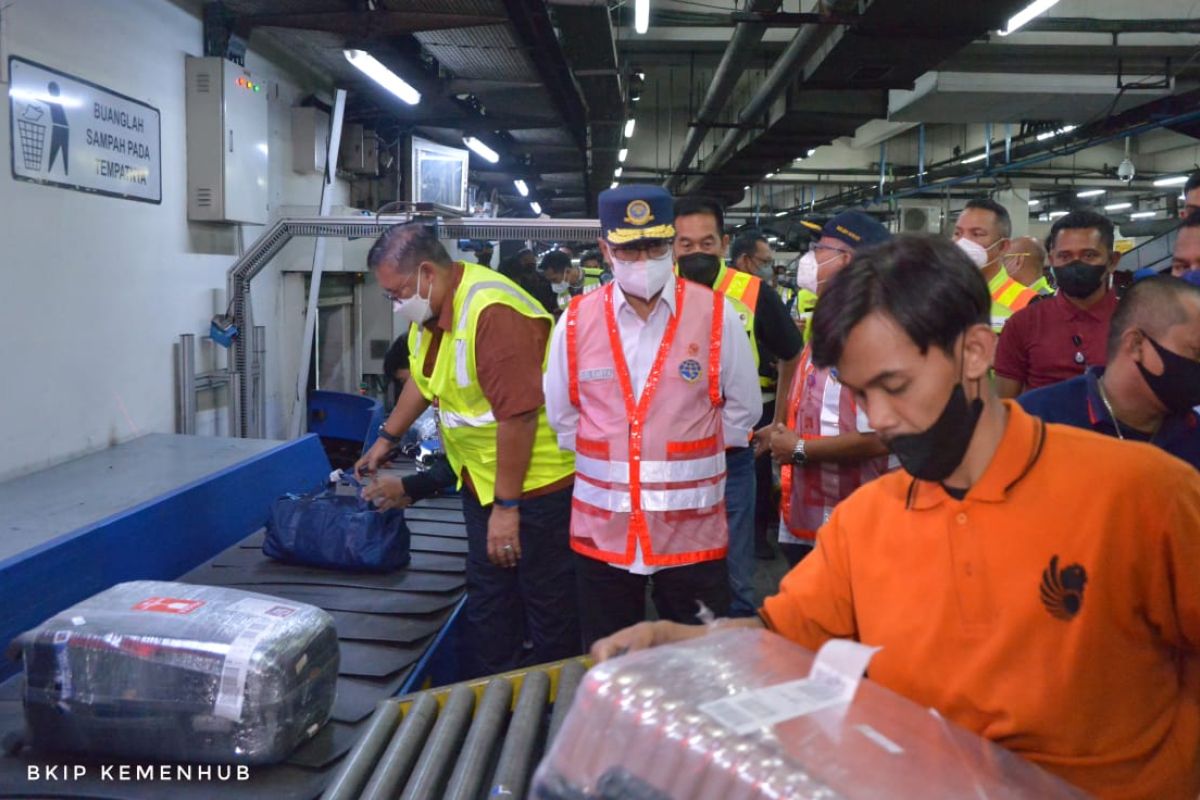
(1054, 610)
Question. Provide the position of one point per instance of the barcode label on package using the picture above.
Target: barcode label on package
(762, 708)
(232, 687)
(832, 681)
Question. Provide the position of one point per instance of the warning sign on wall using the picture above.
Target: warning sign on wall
(69, 132)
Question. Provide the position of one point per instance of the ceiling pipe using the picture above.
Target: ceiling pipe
(742, 47)
(782, 73)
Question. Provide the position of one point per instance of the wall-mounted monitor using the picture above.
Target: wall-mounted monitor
(437, 174)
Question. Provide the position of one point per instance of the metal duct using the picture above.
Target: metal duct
(746, 37)
(806, 40)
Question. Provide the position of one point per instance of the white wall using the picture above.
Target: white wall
(94, 291)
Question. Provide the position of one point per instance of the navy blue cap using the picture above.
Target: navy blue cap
(630, 213)
(856, 228)
(1192, 276)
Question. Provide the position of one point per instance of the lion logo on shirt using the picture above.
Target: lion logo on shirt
(1062, 589)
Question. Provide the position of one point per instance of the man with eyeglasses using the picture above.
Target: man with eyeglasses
(1148, 390)
(649, 380)
(1059, 338)
(700, 241)
(478, 344)
(825, 445)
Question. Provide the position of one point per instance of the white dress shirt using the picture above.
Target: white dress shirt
(640, 339)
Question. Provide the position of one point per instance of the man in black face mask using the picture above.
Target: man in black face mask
(1150, 387)
(1057, 619)
(1059, 338)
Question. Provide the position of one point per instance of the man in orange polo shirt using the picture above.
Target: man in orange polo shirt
(1057, 617)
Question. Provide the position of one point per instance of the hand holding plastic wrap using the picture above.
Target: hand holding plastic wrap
(663, 724)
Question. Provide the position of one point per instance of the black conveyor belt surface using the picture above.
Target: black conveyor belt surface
(385, 624)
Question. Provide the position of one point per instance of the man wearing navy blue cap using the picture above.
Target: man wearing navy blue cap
(826, 447)
(649, 380)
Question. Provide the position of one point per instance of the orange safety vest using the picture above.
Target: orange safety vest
(649, 469)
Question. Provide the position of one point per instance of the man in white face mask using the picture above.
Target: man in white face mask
(983, 232)
(649, 379)
(478, 344)
(826, 447)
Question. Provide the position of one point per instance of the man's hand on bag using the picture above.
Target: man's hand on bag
(503, 543)
(783, 443)
(373, 459)
(386, 493)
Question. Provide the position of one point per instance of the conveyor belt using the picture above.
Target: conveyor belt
(473, 740)
(386, 624)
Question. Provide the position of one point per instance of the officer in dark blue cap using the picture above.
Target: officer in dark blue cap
(826, 448)
(649, 380)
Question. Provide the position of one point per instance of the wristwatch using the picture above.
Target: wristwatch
(389, 437)
(798, 455)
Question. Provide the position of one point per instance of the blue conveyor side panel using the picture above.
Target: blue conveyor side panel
(159, 539)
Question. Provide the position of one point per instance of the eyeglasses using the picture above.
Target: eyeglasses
(816, 248)
(653, 248)
(394, 297)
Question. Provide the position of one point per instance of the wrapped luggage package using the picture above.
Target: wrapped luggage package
(736, 715)
(175, 672)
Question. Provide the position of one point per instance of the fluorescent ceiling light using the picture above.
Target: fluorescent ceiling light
(745, 188)
(484, 152)
(617, 172)
(377, 72)
(522, 188)
(641, 15)
(622, 153)
(1033, 203)
(769, 175)
(973, 159)
(1177, 180)
(629, 128)
(1041, 137)
(1142, 214)
(810, 152)
(1118, 206)
(1091, 193)
(781, 213)
(1057, 214)
(1034, 9)
(536, 206)
(614, 185)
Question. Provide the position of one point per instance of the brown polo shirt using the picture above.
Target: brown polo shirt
(509, 352)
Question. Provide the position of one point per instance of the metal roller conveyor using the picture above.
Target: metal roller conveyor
(471, 740)
(470, 771)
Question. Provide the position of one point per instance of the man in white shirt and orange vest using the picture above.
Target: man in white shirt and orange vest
(827, 448)
(649, 380)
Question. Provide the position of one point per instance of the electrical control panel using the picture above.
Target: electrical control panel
(227, 135)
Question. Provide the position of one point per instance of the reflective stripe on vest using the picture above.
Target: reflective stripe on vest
(636, 484)
(742, 289)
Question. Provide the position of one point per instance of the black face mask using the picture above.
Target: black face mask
(1178, 388)
(1078, 279)
(700, 268)
(935, 453)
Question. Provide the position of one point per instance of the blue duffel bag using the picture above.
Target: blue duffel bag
(336, 531)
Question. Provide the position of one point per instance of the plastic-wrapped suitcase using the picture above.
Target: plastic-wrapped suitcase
(176, 672)
(737, 715)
